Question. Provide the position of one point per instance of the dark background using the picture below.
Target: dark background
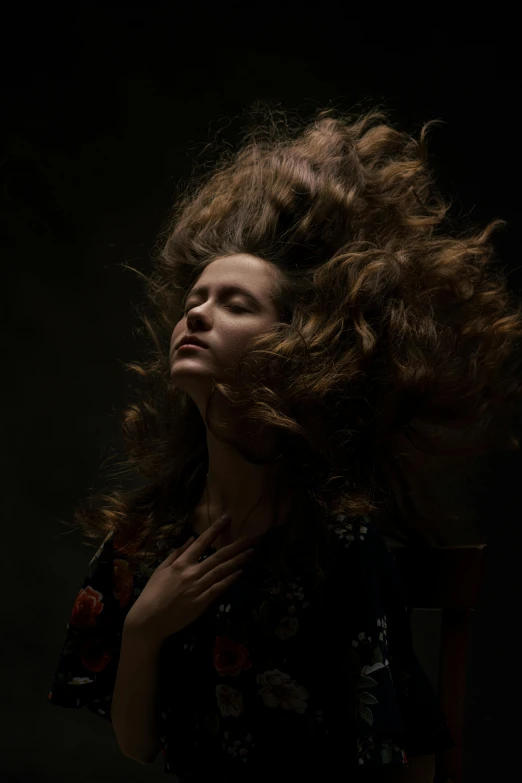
(104, 112)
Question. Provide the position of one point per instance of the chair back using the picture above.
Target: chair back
(449, 579)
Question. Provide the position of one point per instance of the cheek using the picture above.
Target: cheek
(237, 341)
(176, 334)
(237, 337)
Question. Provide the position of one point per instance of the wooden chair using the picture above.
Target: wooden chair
(449, 579)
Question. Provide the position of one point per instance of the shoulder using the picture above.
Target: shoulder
(359, 559)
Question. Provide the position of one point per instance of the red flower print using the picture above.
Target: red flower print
(230, 658)
(89, 602)
(123, 582)
(95, 655)
(86, 609)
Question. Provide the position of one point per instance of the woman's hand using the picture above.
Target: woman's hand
(180, 589)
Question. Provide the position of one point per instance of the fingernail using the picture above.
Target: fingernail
(226, 520)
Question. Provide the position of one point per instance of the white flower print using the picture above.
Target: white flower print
(288, 627)
(348, 531)
(237, 743)
(279, 690)
(230, 701)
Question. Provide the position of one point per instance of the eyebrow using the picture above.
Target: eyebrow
(227, 289)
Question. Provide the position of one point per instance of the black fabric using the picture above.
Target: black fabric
(267, 683)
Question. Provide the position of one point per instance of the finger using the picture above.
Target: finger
(177, 552)
(241, 543)
(216, 589)
(216, 529)
(229, 551)
(214, 569)
(186, 545)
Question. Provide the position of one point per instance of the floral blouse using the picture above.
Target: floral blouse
(267, 682)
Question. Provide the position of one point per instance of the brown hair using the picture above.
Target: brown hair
(394, 328)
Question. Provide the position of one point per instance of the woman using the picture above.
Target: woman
(334, 311)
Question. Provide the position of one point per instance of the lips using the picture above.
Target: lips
(192, 341)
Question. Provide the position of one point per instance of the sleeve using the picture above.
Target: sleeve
(86, 670)
(386, 705)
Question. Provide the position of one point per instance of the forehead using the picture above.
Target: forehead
(250, 273)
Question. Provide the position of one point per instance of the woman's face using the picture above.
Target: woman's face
(225, 320)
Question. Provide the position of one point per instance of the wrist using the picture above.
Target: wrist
(140, 637)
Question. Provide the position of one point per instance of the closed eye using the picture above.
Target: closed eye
(230, 307)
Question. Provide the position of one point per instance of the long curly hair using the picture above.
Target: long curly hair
(395, 328)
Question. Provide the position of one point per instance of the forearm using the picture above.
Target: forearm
(134, 701)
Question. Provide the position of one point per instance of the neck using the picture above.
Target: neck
(235, 485)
